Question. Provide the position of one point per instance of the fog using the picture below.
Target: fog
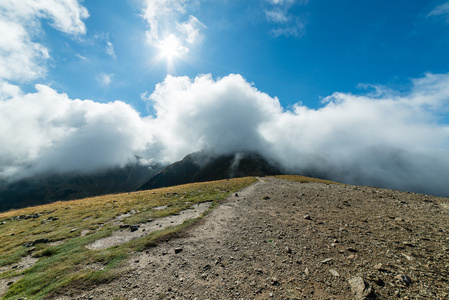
(383, 138)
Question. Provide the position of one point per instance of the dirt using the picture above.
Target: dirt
(285, 240)
(124, 235)
(24, 264)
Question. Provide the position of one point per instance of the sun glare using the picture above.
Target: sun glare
(171, 48)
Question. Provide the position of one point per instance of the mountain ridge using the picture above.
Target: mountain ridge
(203, 166)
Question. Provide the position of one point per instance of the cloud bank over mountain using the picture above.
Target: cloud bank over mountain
(384, 138)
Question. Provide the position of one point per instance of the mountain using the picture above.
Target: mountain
(195, 167)
(49, 188)
(202, 166)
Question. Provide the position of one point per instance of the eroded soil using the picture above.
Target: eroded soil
(285, 240)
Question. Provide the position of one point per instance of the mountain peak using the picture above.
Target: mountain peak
(205, 166)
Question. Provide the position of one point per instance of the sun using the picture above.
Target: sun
(171, 48)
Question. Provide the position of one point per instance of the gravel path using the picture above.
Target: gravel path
(285, 240)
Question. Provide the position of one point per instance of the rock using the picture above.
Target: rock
(325, 261)
(404, 279)
(288, 250)
(178, 250)
(352, 250)
(236, 195)
(334, 272)
(39, 241)
(28, 244)
(274, 281)
(361, 289)
(408, 257)
(380, 267)
(134, 228)
(307, 217)
(266, 198)
(124, 225)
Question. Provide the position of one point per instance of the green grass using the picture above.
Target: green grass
(65, 264)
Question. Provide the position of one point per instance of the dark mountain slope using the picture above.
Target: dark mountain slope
(201, 166)
(54, 187)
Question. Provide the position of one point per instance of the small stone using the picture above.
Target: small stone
(306, 271)
(266, 198)
(236, 195)
(334, 272)
(379, 267)
(360, 288)
(307, 217)
(325, 261)
(124, 225)
(178, 250)
(408, 257)
(28, 244)
(288, 250)
(134, 228)
(403, 279)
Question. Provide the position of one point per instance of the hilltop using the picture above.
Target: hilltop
(284, 237)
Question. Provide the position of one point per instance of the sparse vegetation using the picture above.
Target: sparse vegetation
(56, 234)
(304, 179)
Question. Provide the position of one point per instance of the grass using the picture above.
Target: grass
(304, 179)
(65, 264)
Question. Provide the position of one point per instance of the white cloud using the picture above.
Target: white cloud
(81, 57)
(21, 58)
(295, 30)
(276, 16)
(164, 20)
(46, 131)
(221, 116)
(390, 139)
(110, 50)
(287, 24)
(105, 79)
(441, 10)
(281, 2)
(191, 30)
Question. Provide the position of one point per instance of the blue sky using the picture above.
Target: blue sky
(316, 48)
(357, 91)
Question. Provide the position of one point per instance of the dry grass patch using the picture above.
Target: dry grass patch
(304, 179)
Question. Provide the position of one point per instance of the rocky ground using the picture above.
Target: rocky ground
(286, 240)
